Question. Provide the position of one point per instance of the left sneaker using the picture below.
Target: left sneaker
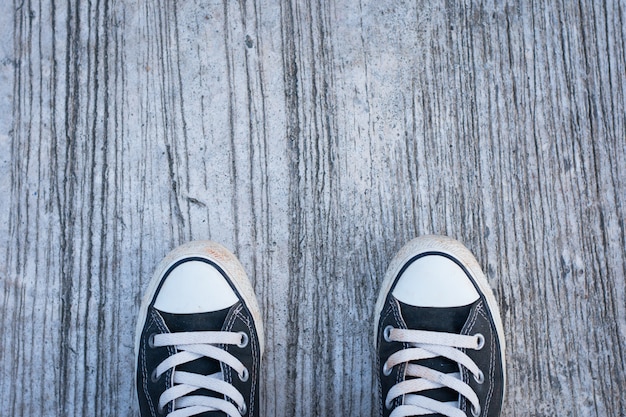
(199, 337)
(439, 338)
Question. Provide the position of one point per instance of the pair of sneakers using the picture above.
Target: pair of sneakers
(438, 336)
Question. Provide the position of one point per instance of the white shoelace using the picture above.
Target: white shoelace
(426, 345)
(192, 346)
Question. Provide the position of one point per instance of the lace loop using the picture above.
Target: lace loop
(192, 346)
(426, 345)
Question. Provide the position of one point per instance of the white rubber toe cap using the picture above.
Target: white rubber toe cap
(435, 281)
(194, 287)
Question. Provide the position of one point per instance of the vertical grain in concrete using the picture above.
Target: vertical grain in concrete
(313, 139)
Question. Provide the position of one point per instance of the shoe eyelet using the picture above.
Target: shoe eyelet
(244, 375)
(476, 411)
(153, 376)
(387, 333)
(151, 340)
(480, 378)
(243, 409)
(386, 370)
(244, 340)
(480, 341)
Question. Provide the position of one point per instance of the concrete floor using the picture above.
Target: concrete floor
(313, 139)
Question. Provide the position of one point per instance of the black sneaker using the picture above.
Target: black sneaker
(439, 338)
(199, 337)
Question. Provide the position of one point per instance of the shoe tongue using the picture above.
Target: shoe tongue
(198, 322)
(437, 319)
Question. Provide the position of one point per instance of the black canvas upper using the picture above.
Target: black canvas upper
(466, 320)
(236, 318)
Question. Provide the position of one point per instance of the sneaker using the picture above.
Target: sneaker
(439, 338)
(199, 337)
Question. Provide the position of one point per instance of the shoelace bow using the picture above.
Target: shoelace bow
(426, 345)
(192, 346)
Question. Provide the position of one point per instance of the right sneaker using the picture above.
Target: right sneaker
(199, 337)
(439, 337)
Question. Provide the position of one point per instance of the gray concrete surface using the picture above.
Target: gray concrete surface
(313, 139)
